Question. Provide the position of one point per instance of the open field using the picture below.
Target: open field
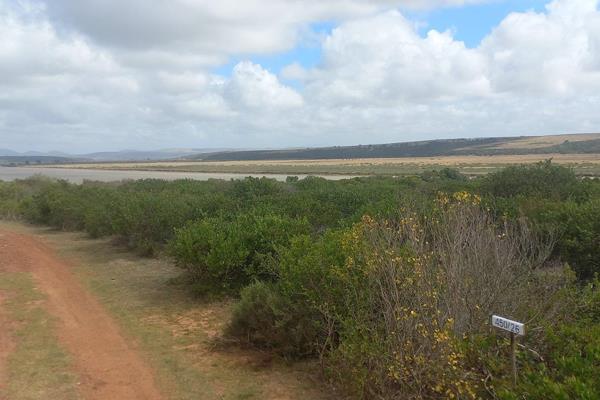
(158, 335)
(583, 164)
(538, 142)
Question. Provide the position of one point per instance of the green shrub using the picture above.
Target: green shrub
(290, 309)
(395, 306)
(250, 188)
(220, 254)
(148, 220)
(16, 195)
(61, 205)
(577, 228)
(11, 197)
(543, 180)
(265, 318)
(101, 214)
(570, 369)
(393, 300)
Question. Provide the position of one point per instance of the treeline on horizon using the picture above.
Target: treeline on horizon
(428, 148)
(388, 282)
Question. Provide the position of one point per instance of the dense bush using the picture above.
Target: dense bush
(571, 352)
(13, 196)
(228, 254)
(266, 318)
(557, 203)
(542, 180)
(577, 227)
(144, 213)
(303, 285)
(395, 305)
(393, 300)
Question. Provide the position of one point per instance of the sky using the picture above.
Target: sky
(99, 75)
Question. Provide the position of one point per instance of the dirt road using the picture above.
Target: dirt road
(7, 345)
(108, 366)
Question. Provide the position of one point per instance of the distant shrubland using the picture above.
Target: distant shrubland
(561, 144)
(388, 282)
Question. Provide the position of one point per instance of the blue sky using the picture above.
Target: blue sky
(472, 23)
(307, 54)
(469, 24)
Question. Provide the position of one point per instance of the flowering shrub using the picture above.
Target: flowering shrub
(396, 301)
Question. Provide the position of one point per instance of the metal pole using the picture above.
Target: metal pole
(513, 355)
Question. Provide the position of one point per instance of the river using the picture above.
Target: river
(79, 175)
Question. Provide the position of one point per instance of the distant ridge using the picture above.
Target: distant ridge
(588, 143)
(141, 155)
(550, 144)
(10, 157)
(7, 152)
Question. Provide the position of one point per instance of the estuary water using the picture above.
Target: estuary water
(79, 175)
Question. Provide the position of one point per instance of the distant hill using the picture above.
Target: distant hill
(139, 155)
(550, 144)
(36, 157)
(36, 160)
(8, 152)
(564, 144)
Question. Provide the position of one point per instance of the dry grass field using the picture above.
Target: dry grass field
(583, 164)
(477, 158)
(537, 142)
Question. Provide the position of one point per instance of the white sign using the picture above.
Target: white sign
(512, 326)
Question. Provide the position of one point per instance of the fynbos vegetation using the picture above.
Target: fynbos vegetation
(388, 282)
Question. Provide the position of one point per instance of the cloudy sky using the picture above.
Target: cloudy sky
(91, 75)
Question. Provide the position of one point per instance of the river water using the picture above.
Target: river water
(79, 175)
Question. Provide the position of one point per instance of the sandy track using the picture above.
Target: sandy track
(7, 345)
(108, 366)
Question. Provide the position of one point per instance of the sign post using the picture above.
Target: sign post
(513, 357)
(515, 328)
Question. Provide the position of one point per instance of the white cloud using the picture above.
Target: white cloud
(254, 87)
(214, 29)
(251, 89)
(294, 71)
(383, 60)
(535, 73)
(546, 53)
(77, 77)
(32, 49)
(49, 82)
